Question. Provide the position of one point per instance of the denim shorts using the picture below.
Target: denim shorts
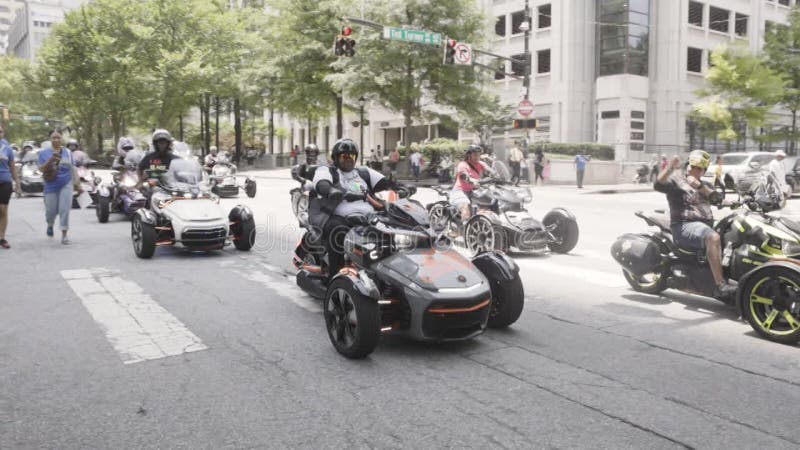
(691, 234)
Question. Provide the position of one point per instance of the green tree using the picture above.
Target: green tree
(740, 89)
(410, 78)
(19, 94)
(488, 116)
(782, 55)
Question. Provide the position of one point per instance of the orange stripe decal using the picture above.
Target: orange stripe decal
(459, 310)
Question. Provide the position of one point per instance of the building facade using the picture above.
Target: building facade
(623, 72)
(32, 24)
(8, 10)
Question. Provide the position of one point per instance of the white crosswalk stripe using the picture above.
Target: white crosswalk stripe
(137, 327)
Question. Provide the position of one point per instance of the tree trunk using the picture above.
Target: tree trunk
(207, 108)
(180, 129)
(310, 137)
(202, 127)
(216, 120)
(237, 127)
(271, 128)
(338, 115)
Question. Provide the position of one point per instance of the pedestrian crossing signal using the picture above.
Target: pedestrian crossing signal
(344, 45)
(524, 123)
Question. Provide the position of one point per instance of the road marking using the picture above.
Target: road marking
(285, 285)
(591, 276)
(137, 327)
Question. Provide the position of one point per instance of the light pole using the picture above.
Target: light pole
(361, 101)
(526, 27)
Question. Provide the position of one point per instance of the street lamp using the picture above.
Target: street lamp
(361, 102)
(526, 27)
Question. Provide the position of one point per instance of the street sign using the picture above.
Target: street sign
(406, 35)
(463, 54)
(525, 108)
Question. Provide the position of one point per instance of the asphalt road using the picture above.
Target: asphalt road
(244, 361)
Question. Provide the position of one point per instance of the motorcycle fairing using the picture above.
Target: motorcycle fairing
(433, 270)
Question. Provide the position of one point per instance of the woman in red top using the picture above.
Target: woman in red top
(468, 172)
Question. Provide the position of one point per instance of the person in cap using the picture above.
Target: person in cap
(691, 219)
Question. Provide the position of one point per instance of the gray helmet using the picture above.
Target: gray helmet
(472, 148)
(160, 135)
(73, 142)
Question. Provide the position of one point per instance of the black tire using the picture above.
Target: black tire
(103, 209)
(246, 235)
(143, 236)
(655, 285)
(769, 303)
(343, 303)
(508, 300)
(250, 188)
(566, 232)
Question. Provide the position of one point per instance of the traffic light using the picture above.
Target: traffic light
(449, 51)
(344, 45)
(524, 123)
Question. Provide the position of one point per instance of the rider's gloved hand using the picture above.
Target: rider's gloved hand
(351, 196)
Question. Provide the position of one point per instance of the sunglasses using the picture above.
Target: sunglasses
(347, 156)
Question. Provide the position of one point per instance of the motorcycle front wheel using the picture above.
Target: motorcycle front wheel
(353, 320)
(772, 304)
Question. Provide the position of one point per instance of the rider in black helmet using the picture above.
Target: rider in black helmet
(159, 159)
(340, 190)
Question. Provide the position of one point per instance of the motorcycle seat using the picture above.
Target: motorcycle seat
(656, 219)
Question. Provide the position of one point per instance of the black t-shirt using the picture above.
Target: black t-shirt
(155, 163)
(686, 204)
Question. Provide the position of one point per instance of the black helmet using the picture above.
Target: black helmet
(312, 148)
(472, 148)
(341, 147)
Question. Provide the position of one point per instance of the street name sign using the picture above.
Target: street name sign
(406, 35)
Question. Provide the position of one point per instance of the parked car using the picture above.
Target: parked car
(740, 169)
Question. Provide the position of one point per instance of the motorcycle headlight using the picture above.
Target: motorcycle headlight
(402, 242)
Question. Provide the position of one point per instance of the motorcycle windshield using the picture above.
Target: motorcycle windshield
(182, 175)
(502, 170)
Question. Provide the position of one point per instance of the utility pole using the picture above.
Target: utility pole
(361, 101)
(526, 27)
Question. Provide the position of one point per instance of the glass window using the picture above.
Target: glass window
(694, 60)
(518, 68)
(696, 14)
(500, 26)
(543, 61)
(637, 136)
(740, 25)
(718, 19)
(637, 114)
(783, 2)
(638, 146)
(516, 20)
(545, 16)
(609, 115)
(623, 28)
(637, 125)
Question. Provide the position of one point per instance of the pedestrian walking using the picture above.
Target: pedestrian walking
(416, 163)
(8, 180)
(515, 158)
(654, 168)
(580, 167)
(293, 154)
(55, 163)
(394, 158)
(538, 166)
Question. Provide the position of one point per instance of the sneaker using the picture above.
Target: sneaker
(4, 243)
(725, 290)
(50, 230)
(65, 240)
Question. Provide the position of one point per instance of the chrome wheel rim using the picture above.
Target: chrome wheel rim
(479, 235)
(342, 320)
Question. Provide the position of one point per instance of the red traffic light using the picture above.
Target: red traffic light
(347, 31)
(451, 43)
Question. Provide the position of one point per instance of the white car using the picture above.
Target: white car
(183, 212)
(739, 170)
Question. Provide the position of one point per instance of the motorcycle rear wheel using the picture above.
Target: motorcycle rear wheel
(566, 232)
(772, 304)
(250, 188)
(103, 209)
(655, 284)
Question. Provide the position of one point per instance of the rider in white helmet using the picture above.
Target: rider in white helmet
(211, 157)
(691, 218)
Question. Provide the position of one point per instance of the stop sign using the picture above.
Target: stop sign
(525, 108)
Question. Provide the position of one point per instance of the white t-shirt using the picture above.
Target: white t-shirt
(415, 158)
(350, 181)
(777, 168)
